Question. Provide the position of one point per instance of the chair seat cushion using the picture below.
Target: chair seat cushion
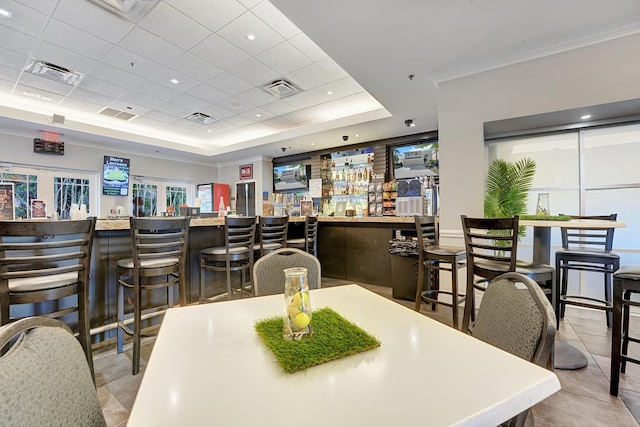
(299, 241)
(631, 272)
(222, 250)
(268, 246)
(445, 250)
(41, 283)
(152, 263)
(523, 267)
(587, 254)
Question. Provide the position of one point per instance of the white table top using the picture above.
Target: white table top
(209, 367)
(582, 223)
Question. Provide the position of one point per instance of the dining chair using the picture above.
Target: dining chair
(588, 250)
(45, 378)
(44, 270)
(626, 283)
(268, 271)
(159, 253)
(435, 258)
(516, 316)
(237, 255)
(308, 242)
(272, 234)
(491, 246)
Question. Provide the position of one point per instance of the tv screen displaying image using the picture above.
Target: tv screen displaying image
(115, 176)
(410, 161)
(291, 177)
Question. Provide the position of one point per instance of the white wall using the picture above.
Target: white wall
(19, 149)
(598, 74)
(262, 175)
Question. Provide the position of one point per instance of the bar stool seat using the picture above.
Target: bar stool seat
(626, 282)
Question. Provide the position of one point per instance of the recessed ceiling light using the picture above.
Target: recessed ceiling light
(585, 117)
(5, 13)
(258, 115)
(236, 106)
(313, 143)
(174, 81)
(329, 92)
(209, 130)
(251, 37)
(357, 135)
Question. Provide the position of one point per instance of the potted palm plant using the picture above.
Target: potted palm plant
(508, 185)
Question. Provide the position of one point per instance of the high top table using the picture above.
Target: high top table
(209, 367)
(566, 355)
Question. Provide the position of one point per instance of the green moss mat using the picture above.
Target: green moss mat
(546, 217)
(334, 337)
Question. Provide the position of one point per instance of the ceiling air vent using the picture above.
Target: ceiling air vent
(54, 72)
(201, 118)
(132, 10)
(112, 112)
(281, 88)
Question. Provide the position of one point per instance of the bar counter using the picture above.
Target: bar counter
(349, 248)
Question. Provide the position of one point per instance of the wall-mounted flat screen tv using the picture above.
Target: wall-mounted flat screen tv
(292, 177)
(115, 176)
(410, 161)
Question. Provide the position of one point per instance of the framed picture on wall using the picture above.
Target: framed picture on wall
(246, 171)
(7, 211)
(38, 209)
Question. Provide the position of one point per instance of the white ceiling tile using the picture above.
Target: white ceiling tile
(63, 57)
(305, 45)
(6, 85)
(218, 127)
(253, 114)
(44, 6)
(16, 41)
(14, 59)
(284, 58)
(24, 19)
(309, 77)
(42, 95)
(157, 90)
(208, 93)
(232, 103)
(249, 3)
(100, 86)
(219, 52)
(237, 31)
(279, 107)
(173, 109)
(190, 102)
(9, 73)
(150, 46)
(148, 122)
(255, 72)
(116, 76)
(142, 100)
(81, 105)
(218, 112)
(281, 123)
(256, 96)
(195, 67)
(71, 38)
(182, 30)
(131, 62)
(128, 107)
(93, 19)
(89, 96)
(229, 83)
(240, 120)
(160, 116)
(44, 83)
(332, 68)
(213, 14)
(304, 100)
(186, 124)
(165, 76)
(339, 88)
(268, 13)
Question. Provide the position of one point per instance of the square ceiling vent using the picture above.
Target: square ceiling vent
(54, 72)
(281, 88)
(132, 10)
(201, 118)
(112, 112)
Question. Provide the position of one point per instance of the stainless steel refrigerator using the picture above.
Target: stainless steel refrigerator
(246, 198)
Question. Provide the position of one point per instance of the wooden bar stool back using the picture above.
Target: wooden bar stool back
(44, 271)
(272, 234)
(435, 258)
(308, 242)
(159, 253)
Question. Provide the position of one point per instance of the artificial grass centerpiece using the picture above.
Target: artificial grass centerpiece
(334, 337)
(546, 217)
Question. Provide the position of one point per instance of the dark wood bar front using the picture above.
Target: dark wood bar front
(354, 249)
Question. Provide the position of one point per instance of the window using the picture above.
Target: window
(152, 197)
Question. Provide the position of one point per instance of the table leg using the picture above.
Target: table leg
(542, 244)
(616, 340)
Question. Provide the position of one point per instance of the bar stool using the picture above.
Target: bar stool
(308, 242)
(236, 255)
(433, 257)
(159, 253)
(626, 281)
(43, 263)
(272, 234)
(587, 250)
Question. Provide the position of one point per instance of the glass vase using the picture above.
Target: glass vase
(542, 208)
(297, 304)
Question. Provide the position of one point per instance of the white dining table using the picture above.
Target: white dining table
(209, 367)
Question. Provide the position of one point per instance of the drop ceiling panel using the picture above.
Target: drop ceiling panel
(63, 57)
(90, 96)
(249, 3)
(13, 59)
(44, 6)
(195, 67)
(190, 102)
(303, 43)
(16, 40)
(116, 76)
(255, 72)
(44, 83)
(217, 128)
(157, 90)
(136, 98)
(310, 76)
(100, 86)
(165, 76)
(183, 31)
(268, 13)
(131, 62)
(9, 73)
(229, 83)
(239, 120)
(81, 105)
(208, 93)
(305, 99)
(160, 116)
(6, 85)
(237, 31)
(128, 107)
(147, 122)
(218, 112)
(180, 124)
(84, 15)
(279, 108)
(68, 37)
(213, 14)
(24, 19)
(281, 123)
(284, 58)
(235, 105)
(220, 52)
(252, 114)
(150, 46)
(256, 97)
(40, 94)
(175, 110)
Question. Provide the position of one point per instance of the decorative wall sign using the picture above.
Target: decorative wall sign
(7, 211)
(246, 171)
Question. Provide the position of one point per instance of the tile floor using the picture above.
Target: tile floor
(583, 400)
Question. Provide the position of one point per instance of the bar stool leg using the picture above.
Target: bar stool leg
(454, 293)
(120, 316)
(136, 326)
(617, 337)
(625, 330)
